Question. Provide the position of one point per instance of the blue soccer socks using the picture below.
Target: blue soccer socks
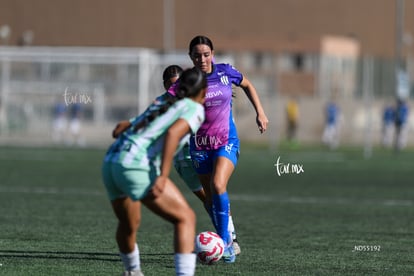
(220, 211)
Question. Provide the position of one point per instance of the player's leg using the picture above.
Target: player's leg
(204, 164)
(187, 173)
(200, 194)
(324, 135)
(206, 180)
(402, 143)
(230, 153)
(223, 169)
(118, 183)
(128, 213)
(171, 205)
(221, 204)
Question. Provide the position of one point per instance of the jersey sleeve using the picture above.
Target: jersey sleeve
(234, 75)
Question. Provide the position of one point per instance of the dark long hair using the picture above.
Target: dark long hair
(191, 82)
(170, 72)
(200, 39)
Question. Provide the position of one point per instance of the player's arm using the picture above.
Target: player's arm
(140, 121)
(120, 127)
(124, 125)
(172, 139)
(250, 90)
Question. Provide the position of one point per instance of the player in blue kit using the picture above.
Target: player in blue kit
(330, 134)
(136, 170)
(388, 118)
(401, 124)
(215, 147)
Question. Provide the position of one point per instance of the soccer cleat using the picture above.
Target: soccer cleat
(133, 273)
(229, 256)
(236, 247)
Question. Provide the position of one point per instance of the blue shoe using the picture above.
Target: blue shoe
(229, 256)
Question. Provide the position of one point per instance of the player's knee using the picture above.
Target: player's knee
(191, 218)
(187, 216)
(219, 186)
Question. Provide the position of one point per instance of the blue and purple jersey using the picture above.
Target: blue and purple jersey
(218, 127)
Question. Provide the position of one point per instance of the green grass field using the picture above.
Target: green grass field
(344, 215)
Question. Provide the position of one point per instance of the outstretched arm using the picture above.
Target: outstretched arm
(250, 90)
(158, 106)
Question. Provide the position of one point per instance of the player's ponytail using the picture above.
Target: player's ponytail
(158, 110)
(192, 81)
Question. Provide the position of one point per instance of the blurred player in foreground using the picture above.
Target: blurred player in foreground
(136, 170)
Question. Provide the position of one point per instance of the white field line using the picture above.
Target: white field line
(321, 200)
(233, 197)
(29, 157)
(315, 157)
(51, 191)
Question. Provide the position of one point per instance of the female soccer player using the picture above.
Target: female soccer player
(215, 147)
(169, 76)
(182, 161)
(136, 170)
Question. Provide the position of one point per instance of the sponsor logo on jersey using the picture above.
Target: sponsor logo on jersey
(214, 94)
(224, 80)
(228, 148)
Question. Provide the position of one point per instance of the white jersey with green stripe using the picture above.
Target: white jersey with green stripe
(143, 149)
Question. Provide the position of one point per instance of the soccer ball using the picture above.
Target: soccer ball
(209, 247)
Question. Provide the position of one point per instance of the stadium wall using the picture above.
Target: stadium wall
(273, 25)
